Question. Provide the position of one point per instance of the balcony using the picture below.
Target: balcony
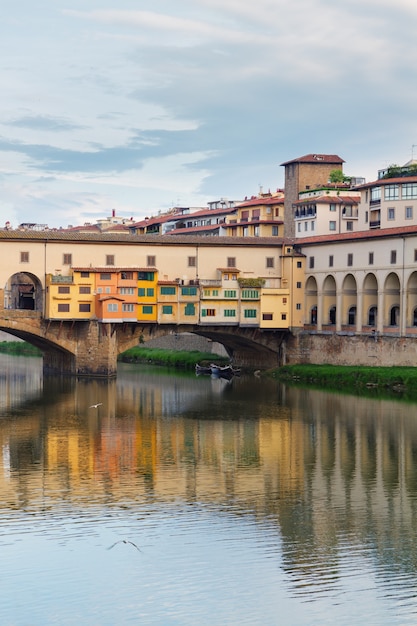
(375, 224)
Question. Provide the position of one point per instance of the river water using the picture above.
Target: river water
(190, 501)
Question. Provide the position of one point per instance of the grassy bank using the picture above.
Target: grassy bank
(19, 348)
(395, 379)
(180, 359)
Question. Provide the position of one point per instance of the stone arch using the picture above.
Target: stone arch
(329, 300)
(349, 300)
(311, 300)
(391, 300)
(370, 300)
(23, 291)
(411, 313)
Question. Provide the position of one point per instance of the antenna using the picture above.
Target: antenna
(412, 150)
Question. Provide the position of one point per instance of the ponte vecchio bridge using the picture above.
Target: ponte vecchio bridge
(84, 299)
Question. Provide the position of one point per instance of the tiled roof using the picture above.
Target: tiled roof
(360, 235)
(329, 200)
(331, 159)
(195, 229)
(388, 181)
(132, 239)
(261, 202)
(114, 269)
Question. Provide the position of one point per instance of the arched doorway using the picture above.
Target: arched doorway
(392, 300)
(352, 316)
(372, 316)
(329, 300)
(23, 291)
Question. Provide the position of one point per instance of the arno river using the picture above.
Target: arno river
(185, 501)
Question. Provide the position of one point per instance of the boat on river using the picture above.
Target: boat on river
(218, 371)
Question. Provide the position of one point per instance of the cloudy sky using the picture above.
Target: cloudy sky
(140, 105)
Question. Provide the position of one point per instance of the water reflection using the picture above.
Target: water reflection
(318, 486)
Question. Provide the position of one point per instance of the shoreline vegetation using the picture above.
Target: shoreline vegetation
(391, 381)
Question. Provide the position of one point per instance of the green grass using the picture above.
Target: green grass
(19, 348)
(392, 380)
(181, 359)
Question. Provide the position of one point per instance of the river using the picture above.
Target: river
(191, 501)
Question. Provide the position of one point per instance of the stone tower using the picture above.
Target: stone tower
(311, 171)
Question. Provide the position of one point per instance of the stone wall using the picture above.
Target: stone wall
(351, 350)
(187, 341)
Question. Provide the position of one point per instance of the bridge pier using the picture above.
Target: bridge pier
(96, 350)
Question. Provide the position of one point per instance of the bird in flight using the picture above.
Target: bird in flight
(94, 406)
(125, 541)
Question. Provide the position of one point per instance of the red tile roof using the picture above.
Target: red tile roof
(360, 235)
(331, 159)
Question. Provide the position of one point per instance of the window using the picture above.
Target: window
(105, 276)
(250, 293)
(84, 308)
(146, 275)
(85, 274)
(391, 192)
(371, 258)
(189, 309)
(284, 300)
(298, 285)
(331, 260)
(67, 259)
(332, 207)
(275, 231)
(147, 309)
(150, 292)
(208, 312)
(283, 316)
(311, 262)
(84, 289)
(249, 313)
(391, 213)
(63, 308)
(109, 259)
(349, 225)
(352, 316)
(188, 291)
(107, 289)
(127, 275)
(409, 191)
(192, 261)
(230, 293)
(215, 292)
(376, 194)
(313, 225)
(350, 259)
(127, 291)
(269, 261)
(63, 289)
(128, 307)
(305, 225)
(408, 212)
(268, 316)
(230, 313)
(298, 306)
(24, 257)
(167, 309)
(393, 256)
(112, 307)
(332, 225)
(151, 260)
(231, 261)
(168, 291)
(299, 264)
(299, 227)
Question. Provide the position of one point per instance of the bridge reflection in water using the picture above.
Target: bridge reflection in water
(324, 487)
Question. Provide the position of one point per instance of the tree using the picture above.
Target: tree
(337, 176)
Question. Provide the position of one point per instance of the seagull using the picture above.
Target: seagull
(125, 541)
(94, 406)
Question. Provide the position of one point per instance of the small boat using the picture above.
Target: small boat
(225, 371)
(202, 369)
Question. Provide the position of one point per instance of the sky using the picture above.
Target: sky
(137, 106)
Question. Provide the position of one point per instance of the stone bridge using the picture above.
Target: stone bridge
(91, 348)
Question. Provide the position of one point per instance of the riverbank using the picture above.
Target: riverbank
(19, 348)
(398, 380)
(181, 359)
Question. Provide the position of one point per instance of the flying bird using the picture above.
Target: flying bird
(125, 541)
(94, 406)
